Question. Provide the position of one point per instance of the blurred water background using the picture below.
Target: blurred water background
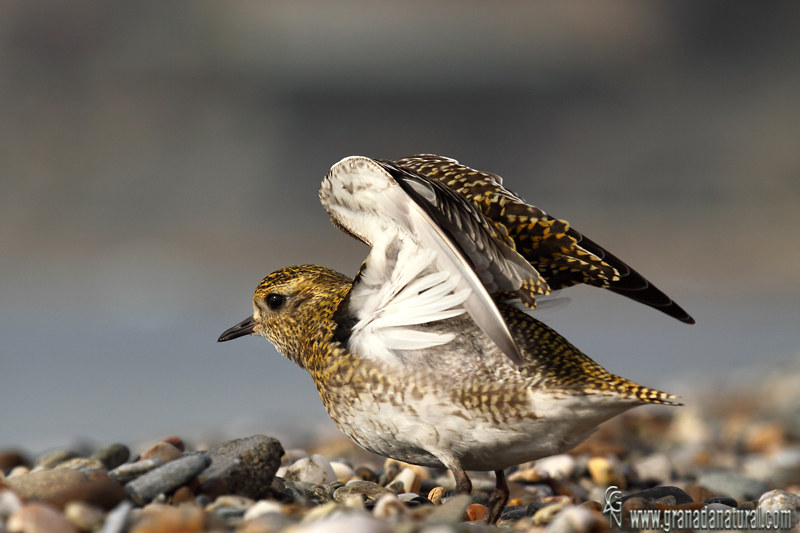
(157, 159)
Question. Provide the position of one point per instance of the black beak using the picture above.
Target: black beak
(245, 327)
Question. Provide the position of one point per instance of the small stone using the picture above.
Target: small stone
(292, 456)
(52, 459)
(452, 511)
(166, 478)
(349, 522)
(698, 493)
(81, 463)
(117, 518)
(660, 492)
(112, 456)
(476, 511)
(719, 507)
(38, 518)
(655, 468)
(742, 488)
(546, 514)
(313, 469)
(159, 518)
(389, 506)
(267, 523)
(535, 507)
(247, 465)
(176, 441)
(730, 502)
(372, 491)
(666, 500)
(592, 506)
(12, 458)
(9, 504)
(605, 473)
(183, 495)
(263, 507)
(231, 502)
(164, 451)
(747, 506)
(529, 475)
(83, 516)
(436, 494)
(18, 471)
(366, 474)
(57, 487)
(395, 486)
(577, 520)
(130, 471)
(342, 471)
(557, 466)
(389, 472)
(779, 500)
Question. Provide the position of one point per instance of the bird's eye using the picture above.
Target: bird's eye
(274, 301)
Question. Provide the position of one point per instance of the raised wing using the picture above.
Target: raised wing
(562, 255)
(402, 215)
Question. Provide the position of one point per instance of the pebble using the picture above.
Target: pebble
(313, 469)
(117, 519)
(655, 468)
(261, 508)
(164, 451)
(776, 500)
(57, 487)
(605, 472)
(160, 518)
(436, 494)
(388, 506)
(18, 471)
(53, 458)
(112, 456)
(9, 504)
(81, 463)
(247, 466)
(342, 471)
(452, 511)
(529, 475)
(371, 491)
(411, 482)
(730, 502)
(83, 516)
(176, 441)
(546, 514)
(576, 520)
(476, 511)
(557, 466)
(166, 478)
(660, 492)
(11, 458)
(366, 474)
(130, 471)
(224, 503)
(39, 518)
(737, 486)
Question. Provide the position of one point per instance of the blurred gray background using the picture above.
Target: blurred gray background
(157, 159)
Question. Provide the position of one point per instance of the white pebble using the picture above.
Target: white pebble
(9, 503)
(343, 472)
(776, 500)
(558, 466)
(409, 479)
(315, 469)
(262, 507)
(571, 520)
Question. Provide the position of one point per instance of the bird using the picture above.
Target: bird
(427, 356)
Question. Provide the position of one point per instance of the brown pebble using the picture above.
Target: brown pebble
(159, 518)
(476, 511)
(561, 498)
(38, 518)
(182, 495)
(436, 494)
(698, 493)
(162, 450)
(546, 514)
(11, 458)
(81, 463)
(366, 474)
(529, 475)
(175, 441)
(513, 502)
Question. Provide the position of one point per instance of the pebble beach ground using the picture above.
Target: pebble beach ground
(727, 449)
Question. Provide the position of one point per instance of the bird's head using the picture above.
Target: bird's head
(289, 307)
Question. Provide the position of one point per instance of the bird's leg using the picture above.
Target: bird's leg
(498, 498)
(463, 484)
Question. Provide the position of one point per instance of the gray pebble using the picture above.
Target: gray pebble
(112, 456)
(247, 465)
(50, 460)
(166, 478)
(734, 485)
(450, 512)
(117, 518)
(723, 500)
